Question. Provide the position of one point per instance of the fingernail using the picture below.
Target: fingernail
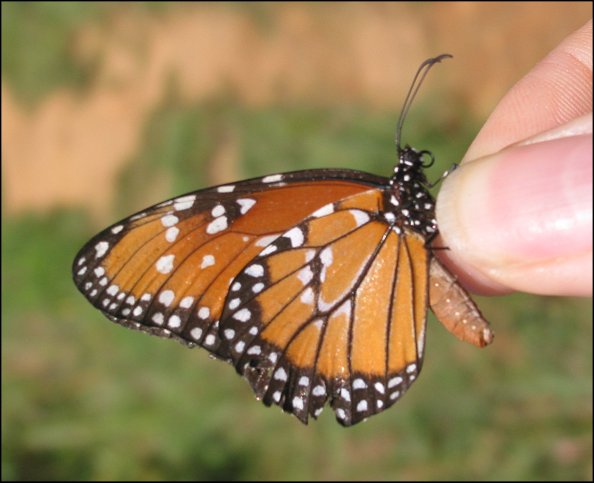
(576, 127)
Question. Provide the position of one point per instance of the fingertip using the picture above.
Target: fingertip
(524, 212)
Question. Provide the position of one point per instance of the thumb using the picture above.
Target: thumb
(521, 219)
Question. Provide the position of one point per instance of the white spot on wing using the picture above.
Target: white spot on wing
(297, 403)
(272, 178)
(174, 322)
(280, 374)
(217, 211)
(186, 302)
(184, 202)
(169, 220)
(323, 211)
(236, 286)
(217, 225)
(266, 240)
(268, 250)
(229, 334)
(226, 189)
(116, 229)
(326, 258)
(101, 249)
(165, 264)
(360, 217)
(245, 204)
(158, 318)
(395, 381)
(207, 261)
(182, 205)
(318, 391)
(307, 297)
(305, 275)
(303, 381)
(359, 384)
(254, 350)
(242, 315)
(255, 270)
(166, 297)
(171, 233)
(196, 333)
(203, 313)
(296, 237)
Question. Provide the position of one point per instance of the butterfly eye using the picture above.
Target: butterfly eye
(427, 159)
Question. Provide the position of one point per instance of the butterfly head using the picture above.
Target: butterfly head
(410, 194)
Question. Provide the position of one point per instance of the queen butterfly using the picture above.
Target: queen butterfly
(313, 284)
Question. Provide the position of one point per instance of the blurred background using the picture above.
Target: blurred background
(110, 107)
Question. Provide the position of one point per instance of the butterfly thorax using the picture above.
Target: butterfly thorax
(414, 207)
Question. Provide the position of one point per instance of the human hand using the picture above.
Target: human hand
(519, 216)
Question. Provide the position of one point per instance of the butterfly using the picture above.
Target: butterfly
(313, 284)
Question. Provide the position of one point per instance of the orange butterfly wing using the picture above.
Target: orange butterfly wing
(333, 309)
(167, 270)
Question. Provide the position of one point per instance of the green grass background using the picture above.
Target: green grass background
(85, 399)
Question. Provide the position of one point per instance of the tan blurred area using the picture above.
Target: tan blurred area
(67, 149)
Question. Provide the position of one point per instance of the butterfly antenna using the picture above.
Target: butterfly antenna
(414, 88)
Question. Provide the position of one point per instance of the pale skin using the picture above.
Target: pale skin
(517, 215)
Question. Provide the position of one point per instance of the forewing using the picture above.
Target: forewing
(167, 269)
